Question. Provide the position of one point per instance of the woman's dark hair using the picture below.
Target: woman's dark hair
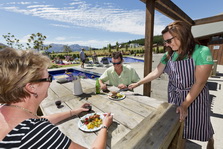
(181, 31)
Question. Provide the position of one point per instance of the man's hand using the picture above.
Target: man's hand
(122, 86)
(103, 87)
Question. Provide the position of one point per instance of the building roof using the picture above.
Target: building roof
(207, 29)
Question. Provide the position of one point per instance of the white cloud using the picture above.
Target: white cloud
(60, 25)
(36, 6)
(60, 38)
(24, 39)
(24, 3)
(79, 13)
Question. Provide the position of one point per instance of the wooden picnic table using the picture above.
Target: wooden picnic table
(139, 121)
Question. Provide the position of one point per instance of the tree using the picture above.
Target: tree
(117, 46)
(12, 41)
(90, 49)
(67, 49)
(126, 47)
(158, 39)
(36, 40)
(109, 48)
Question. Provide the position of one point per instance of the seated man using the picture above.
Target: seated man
(118, 75)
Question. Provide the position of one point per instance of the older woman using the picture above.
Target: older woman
(188, 65)
(24, 85)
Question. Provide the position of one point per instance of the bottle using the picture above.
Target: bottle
(97, 87)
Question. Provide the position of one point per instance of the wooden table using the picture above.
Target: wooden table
(139, 121)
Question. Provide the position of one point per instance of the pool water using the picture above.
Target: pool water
(129, 60)
(75, 72)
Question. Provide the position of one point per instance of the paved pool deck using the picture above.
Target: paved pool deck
(159, 91)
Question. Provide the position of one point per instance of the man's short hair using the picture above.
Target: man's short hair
(116, 55)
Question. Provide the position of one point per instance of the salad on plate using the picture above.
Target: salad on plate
(91, 122)
(116, 95)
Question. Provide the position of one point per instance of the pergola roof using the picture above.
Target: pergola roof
(169, 9)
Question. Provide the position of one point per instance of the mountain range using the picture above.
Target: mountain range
(60, 47)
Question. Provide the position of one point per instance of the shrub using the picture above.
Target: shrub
(54, 66)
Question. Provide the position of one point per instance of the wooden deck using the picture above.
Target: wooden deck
(139, 121)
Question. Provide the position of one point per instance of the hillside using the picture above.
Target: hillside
(156, 40)
(2, 45)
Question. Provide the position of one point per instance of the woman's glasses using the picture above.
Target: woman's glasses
(169, 41)
(49, 79)
(117, 63)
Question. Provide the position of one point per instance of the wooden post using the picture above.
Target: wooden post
(150, 8)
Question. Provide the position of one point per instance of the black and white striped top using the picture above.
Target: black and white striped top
(35, 133)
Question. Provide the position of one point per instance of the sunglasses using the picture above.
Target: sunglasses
(169, 41)
(117, 63)
(49, 79)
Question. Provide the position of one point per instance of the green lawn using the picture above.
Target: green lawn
(62, 66)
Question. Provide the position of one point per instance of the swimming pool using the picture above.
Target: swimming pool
(75, 72)
(88, 74)
(129, 60)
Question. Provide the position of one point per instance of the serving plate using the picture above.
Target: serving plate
(83, 126)
(117, 98)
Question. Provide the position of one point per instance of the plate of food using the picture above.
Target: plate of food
(116, 95)
(91, 122)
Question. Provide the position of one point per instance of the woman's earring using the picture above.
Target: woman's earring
(35, 95)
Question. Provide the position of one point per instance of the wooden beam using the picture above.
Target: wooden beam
(169, 9)
(150, 9)
(209, 20)
(144, 1)
(165, 11)
(173, 11)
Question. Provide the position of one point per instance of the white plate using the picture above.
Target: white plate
(83, 127)
(123, 96)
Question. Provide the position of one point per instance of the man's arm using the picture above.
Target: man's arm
(103, 78)
(103, 86)
(135, 76)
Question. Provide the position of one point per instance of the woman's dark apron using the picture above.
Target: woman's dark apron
(181, 77)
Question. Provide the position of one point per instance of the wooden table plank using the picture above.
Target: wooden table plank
(154, 103)
(130, 118)
(116, 130)
(83, 138)
(137, 107)
(158, 130)
(60, 90)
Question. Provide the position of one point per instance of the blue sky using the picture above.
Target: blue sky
(94, 23)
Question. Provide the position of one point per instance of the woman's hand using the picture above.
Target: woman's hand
(183, 112)
(133, 85)
(83, 108)
(107, 121)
